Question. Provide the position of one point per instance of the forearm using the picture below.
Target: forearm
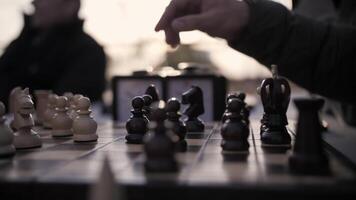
(315, 55)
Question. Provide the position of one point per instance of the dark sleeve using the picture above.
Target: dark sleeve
(15, 49)
(10, 59)
(86, 72)
(18, 45)
(7, 58)
(318, 56)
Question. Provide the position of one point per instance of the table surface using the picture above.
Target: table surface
(61, 162)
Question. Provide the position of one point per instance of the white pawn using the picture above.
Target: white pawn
(73, 106)
(6, 136)
(12, 104)
(41, 97)
(48, 115)
(25, 137)
(69, 95)
(61, 123)
(84, 126)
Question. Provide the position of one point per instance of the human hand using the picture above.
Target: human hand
(218, 18)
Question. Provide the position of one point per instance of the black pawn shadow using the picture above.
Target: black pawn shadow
(235, 156)
(276, 149)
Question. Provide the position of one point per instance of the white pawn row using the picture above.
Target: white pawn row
(71, 117)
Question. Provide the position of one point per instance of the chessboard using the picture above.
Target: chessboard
(64, 169)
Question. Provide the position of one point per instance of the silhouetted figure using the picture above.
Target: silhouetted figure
(53, 52)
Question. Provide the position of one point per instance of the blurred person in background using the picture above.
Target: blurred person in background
(53, 52)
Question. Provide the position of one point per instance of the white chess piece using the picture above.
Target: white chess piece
(84, 126)
(12, 105)
(48, 115)
(12, 97)
(41, 104)
(69, 95)
(61, 122)
(25, 137)
(73, 106)
(6, 135)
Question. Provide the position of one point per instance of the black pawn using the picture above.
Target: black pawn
(136, 126)
(177, 126)
(235, 131)
(147, 99)
(152, 91)
(159, 146)
(308, 154)
(275, 96)
(229, 96)
(194, 97)
(245, 111)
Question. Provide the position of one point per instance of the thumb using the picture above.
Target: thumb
(189, 23)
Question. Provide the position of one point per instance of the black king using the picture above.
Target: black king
(275, 96)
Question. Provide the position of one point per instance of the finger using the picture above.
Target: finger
(169, 14)
(190, 23)
(172, 37)
(166, 17)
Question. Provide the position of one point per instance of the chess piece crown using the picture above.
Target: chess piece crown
(275, 97)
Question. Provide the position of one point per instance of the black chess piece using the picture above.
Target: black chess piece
(159, 146)
(153, 92)
(177, 126)
(308, 154)
(275, 96)
(245, 111)
(235, 131)
(194, 97)
(147, 99)
(136, 126)
(228, 97)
